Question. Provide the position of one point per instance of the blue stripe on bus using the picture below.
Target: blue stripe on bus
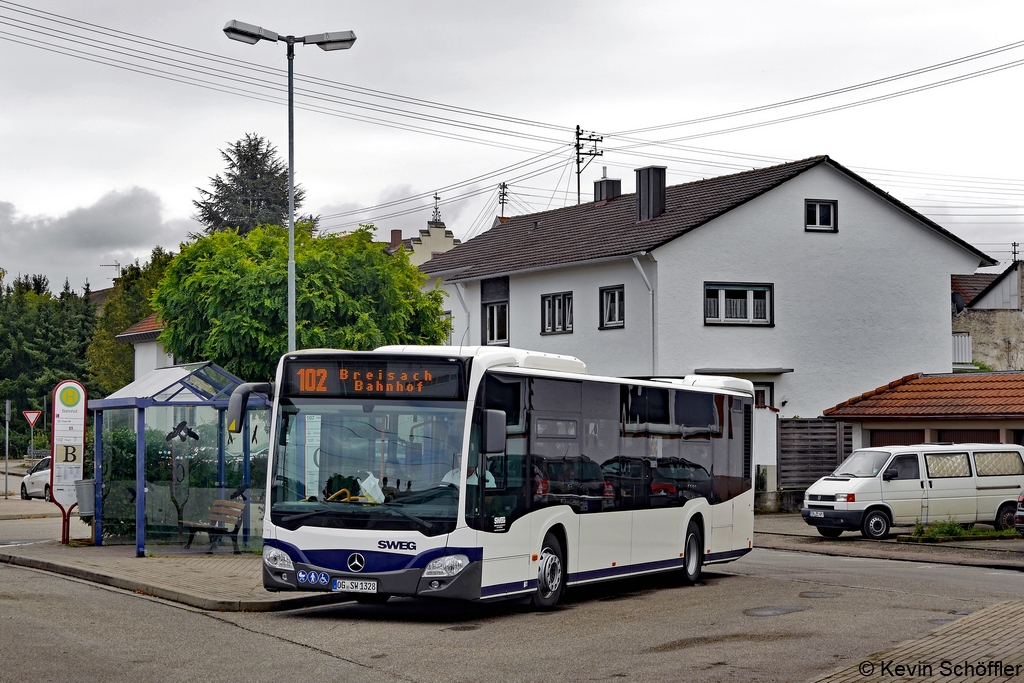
(728, 555)
(376, 561)
(504, 588)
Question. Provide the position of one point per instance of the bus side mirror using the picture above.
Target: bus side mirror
(890, 474)
(494, 431)
(240, 399)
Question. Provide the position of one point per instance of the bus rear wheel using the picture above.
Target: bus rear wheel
(693, 553)
(550, 574)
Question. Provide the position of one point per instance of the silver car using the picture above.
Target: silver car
(36, 484)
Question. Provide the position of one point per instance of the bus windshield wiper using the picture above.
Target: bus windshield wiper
(394, 508)
(304, 515)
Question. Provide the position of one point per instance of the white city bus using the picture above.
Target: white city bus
(487, 473)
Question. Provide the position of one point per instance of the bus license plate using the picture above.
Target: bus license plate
(817, 513)
(351, 586)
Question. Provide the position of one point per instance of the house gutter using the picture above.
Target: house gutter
(458, 292)
(650, 292)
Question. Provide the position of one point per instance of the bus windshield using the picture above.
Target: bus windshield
(368, 464)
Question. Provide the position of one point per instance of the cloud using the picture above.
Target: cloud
(119, 228)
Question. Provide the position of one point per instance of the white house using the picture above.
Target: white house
(149, 353)
(804, 278)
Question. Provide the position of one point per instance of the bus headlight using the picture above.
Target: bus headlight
(278, 559)
(446, 566)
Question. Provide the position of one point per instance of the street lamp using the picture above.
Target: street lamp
(337, 40)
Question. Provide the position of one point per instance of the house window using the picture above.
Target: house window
(820, 215)
(496, 316)
(764, 393)
(613, 307)
(556, 313)
(494, 298)
(738, 304)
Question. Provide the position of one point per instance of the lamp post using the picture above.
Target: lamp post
(337, 40)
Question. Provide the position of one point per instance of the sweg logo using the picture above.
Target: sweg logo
(396, 545)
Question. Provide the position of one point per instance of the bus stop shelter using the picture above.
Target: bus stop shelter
(163, 457)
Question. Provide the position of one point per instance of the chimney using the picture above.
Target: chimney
(606, 189)
(650, 192)
(396, 239)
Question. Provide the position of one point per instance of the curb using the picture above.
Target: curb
(209, 604)
(875, 555)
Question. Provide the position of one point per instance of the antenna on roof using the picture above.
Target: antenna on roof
(958, 303)
(116, 265)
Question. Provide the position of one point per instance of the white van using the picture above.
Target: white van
(876, 488)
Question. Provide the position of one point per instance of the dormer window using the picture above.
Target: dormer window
(820, 215)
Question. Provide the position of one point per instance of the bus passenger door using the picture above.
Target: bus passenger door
(506, 534)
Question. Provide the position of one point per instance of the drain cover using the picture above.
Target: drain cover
(771, 611)
(815, 594)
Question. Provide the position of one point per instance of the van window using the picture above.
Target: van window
(945, 465)
(998, 463)
(906, 466)
(862, 464)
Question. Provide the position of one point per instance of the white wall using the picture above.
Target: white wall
(853, 310)
(149, 356)
(1006, 294)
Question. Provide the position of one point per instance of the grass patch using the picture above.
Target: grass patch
(948, 528)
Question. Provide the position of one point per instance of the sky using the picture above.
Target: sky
(114, 112)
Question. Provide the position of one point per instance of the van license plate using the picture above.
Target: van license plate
(350, 586)
(817, 513)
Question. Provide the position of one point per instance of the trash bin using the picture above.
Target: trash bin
(86, 491)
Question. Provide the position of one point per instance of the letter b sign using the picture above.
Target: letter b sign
(70, 454)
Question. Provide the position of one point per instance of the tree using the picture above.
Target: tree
(111, 362)
(253, 191)
(224, 298)
(42, 341)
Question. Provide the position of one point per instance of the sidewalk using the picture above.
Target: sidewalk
(978, 647)
(790, 532)
(221, 582)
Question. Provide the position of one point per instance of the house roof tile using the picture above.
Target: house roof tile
(970, 286)
(982, 394)
(609, 229)
(148, 327)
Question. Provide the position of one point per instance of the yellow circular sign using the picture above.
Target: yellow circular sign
(70, 396)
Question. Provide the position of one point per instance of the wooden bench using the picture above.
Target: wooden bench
(225, 519)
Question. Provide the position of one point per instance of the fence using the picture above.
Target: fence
(810, 449)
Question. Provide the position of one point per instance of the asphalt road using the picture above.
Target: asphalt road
(774, 616)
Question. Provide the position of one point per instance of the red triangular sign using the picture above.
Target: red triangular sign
(32, 416)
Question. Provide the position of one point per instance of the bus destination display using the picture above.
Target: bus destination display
(355, 378)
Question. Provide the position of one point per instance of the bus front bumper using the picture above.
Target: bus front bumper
(833, 519)
(463, 586)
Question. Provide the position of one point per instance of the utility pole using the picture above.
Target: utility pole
(502, 197)
(1015, 245)
(582, 137)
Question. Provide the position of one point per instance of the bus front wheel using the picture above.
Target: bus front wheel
(550, 574)
(693, 553)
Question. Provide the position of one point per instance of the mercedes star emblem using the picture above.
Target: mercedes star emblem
(356, 562)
